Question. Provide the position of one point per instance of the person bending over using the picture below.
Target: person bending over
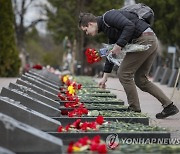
(121, 28)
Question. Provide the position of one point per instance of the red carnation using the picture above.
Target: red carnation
(79, 86)
(96, 139)
(76, 99)
(74, 85)
(85, 111)
(93, 147)
(71, 114)
(102, 148)
(66, 104)
(68, 82)
(37, 66)
(84, 140)
(70, 147)
(100, 119)
(60, 129)
(64, 112)
(61, 97)
(70, 97)
(92, 125)
(67, 127)
(77, 123)
(84, 126)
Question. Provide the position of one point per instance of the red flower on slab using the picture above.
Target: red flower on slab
(96, 139)
(102, 148)
(86, 143)
(74, 84)
(71, 104)
(38, 67)
(79, 86)
(60, 129)
(71, 114)
(83, 126)
(70, 147)
(67, 127)
(76, 124)
(64, 112)
(70, 97)
(93, 147)
(92, 125)
(84, 140)
(68, 82)
(79, 111)
(100, 119)
(61, 97)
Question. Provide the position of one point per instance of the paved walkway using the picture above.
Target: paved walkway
(149, 104)
(4, 82)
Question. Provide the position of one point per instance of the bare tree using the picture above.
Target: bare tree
(21, 8)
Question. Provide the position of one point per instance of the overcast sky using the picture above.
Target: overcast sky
(34, 13)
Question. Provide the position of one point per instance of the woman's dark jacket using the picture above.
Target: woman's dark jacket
(121, 27)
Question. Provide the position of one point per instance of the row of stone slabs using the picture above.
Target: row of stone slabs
(29, 102)
(21, 126)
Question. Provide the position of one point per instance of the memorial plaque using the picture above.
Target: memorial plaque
(42, 80)
(26, 115)
(40, 84)
(30, 102)
(19, 137)
(37, 89)
(47, 74)
(34, 94)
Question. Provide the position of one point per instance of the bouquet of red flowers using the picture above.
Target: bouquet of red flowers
(92, 55)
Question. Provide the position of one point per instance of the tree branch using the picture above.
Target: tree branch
(35, 22)
(30, 2)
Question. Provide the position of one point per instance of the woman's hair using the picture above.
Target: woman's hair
(85, 18)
